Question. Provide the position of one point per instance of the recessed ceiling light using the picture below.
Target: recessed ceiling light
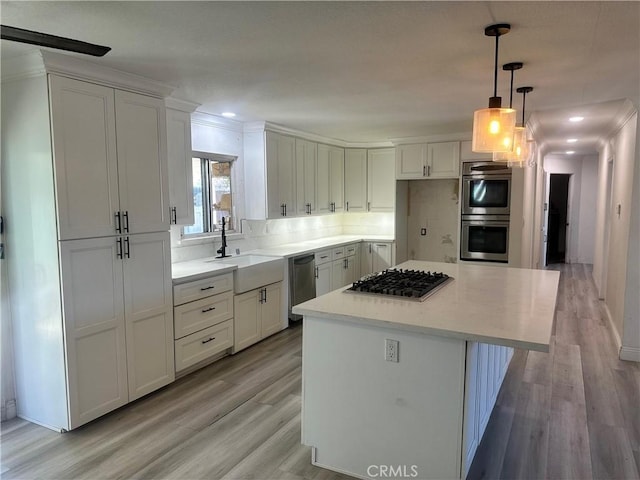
(570, 152)
(576, 119)
(228, 114)
(572, 140)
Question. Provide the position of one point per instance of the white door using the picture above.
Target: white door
(381, 186)
(180, 169)
(84, 151)
(545, 219)
(281, 176)
(323, 278)
(381, 256)
(306, 156)
(355, 180)
(94, 325)
(148, 312)
(336, 175)
(443, 160)
(141, 131)
(246, 323)
(271, 312)
(323, 179)
(411, 161)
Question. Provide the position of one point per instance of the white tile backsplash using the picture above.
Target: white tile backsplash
(267, 233)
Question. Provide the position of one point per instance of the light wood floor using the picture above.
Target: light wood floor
(573, 413)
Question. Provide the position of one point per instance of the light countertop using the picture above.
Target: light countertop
(300, 248)
(182, 272)
(502, 306)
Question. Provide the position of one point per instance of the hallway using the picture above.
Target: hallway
(572, 413)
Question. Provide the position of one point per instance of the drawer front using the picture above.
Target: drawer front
(199, 346)
(194, 316)
(338, 252)
(323, 256)
(190, 291)
(350, 250)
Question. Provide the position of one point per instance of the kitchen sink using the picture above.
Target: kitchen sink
(254, 271)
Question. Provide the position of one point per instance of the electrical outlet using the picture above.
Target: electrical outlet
(237, 251)
(423, 231)
(391, 350)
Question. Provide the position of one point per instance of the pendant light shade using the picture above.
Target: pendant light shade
(493, 127)
(521, 151)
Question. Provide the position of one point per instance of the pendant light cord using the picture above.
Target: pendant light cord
(495, 69)
(524, 98)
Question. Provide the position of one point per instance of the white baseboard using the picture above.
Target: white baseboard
(616, 335)
(631, 354)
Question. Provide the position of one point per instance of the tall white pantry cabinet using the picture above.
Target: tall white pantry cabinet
(85, 195)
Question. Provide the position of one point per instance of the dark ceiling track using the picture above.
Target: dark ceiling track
(15, 34)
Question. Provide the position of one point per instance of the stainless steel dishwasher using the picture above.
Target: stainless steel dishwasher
(302, 282)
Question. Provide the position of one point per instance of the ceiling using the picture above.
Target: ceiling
(366, 71)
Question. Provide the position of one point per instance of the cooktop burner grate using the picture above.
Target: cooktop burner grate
(408, 284)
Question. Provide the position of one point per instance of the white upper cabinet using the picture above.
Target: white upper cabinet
(330, 179)
(355, 179)
(142, 162)
(381, 183)
(306, 160)
(180, 170)
(110, 160)
(281, 176)
(411, 161)
(428, 160)
(84, 147)
(443, 159)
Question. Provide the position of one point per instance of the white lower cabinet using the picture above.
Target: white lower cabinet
(258, 314)
(337, 267)
(118, 321)
(203, 317)
(376, 256)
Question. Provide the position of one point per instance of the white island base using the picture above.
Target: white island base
(422, 417)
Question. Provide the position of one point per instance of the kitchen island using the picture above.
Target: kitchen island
(424, 415)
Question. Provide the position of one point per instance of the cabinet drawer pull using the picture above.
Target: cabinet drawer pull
(210, 339)
(323, 256)
(207, 288)
(208, 309)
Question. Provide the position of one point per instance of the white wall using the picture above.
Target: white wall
(618, 297)
(587, 218)
(602, 214)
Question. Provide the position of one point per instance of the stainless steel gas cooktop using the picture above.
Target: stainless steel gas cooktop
(414, 285)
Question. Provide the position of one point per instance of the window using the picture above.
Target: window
(212, 199)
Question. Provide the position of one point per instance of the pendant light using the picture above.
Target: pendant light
(519, 156)
(493, 127)
(509, 155)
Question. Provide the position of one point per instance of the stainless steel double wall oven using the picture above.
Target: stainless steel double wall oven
(486, 207)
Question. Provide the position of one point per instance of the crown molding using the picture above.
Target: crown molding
(262, 126)
(627, 110)
(182, 105)
(442, 137)
(40, 62)
(209, 120)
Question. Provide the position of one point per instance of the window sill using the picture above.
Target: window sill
(208, 238)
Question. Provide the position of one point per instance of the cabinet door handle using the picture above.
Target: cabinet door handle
(125, 215)
(424, 170)
(285, 209)
(119, 251)
(174, 215)
(316, 272)
(347, 206)
(210, 339)
(208, 309)
(369, 248)
(126, 247)
(118, 222)
(265, 295)
(428, 170)
(346, 264)
(368, 206)
(207, 288)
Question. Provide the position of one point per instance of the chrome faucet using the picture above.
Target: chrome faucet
(223, 247)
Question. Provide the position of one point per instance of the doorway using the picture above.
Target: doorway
(558, 220)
